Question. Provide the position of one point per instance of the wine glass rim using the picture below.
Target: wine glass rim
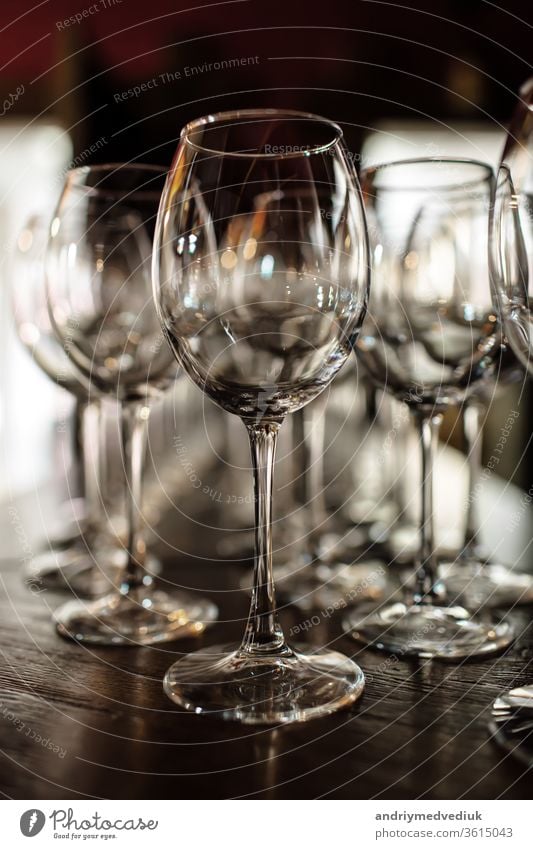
(504, 169)
(235, 115)
(72, 174)
(432, 187)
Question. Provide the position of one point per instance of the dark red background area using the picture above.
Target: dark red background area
(355, 61)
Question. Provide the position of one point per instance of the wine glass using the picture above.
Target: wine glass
(70, 561)
(511, 243)
(473, 575)
(261, 281)
(469, 575)
(430, 338)
(511, 255)
(99, 294)
(517, 154)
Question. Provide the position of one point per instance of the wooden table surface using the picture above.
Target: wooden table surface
(81, 723)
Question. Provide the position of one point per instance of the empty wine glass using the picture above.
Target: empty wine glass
(468, 575)
(511, 242)
(517, 154)
(69, 562)
(260, 281)
(431, 336)
(99, 293)
(473, 575)
(511, 255)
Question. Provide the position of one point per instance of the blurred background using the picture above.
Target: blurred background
(115, 80)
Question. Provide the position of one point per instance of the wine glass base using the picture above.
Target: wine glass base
(76, 570)
(292, 686)
(142, 617)
(443, 633)
(477, 584)
(512, 723)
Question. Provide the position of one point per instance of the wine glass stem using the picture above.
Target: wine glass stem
(310, 434)
(427, 589)
(91, 456)
(473, 447)
(315, 433)
(78, 447)
(263, 634)
(134, 419)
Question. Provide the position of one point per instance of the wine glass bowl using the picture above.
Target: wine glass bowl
(98, 268)
(511, 253)
(261, 284)
(272, 323)
(434, 332)
(30, 310)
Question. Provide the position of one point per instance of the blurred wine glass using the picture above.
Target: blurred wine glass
(73, 554)
(473, 575)
(468, 574)
(430, 338)
(99, 294)
(511, 256)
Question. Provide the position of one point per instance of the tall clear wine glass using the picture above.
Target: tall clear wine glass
(511, 253)
(431, 337)
(69, 562)
(470, 575)
(517, 153)
(99, 293)
(260, 281)
(512, 228)
(511, 241)
(473, 575)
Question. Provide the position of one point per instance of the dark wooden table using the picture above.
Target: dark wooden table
(81, 723)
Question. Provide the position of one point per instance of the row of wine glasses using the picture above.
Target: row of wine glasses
(260, 297)
(249, 271)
